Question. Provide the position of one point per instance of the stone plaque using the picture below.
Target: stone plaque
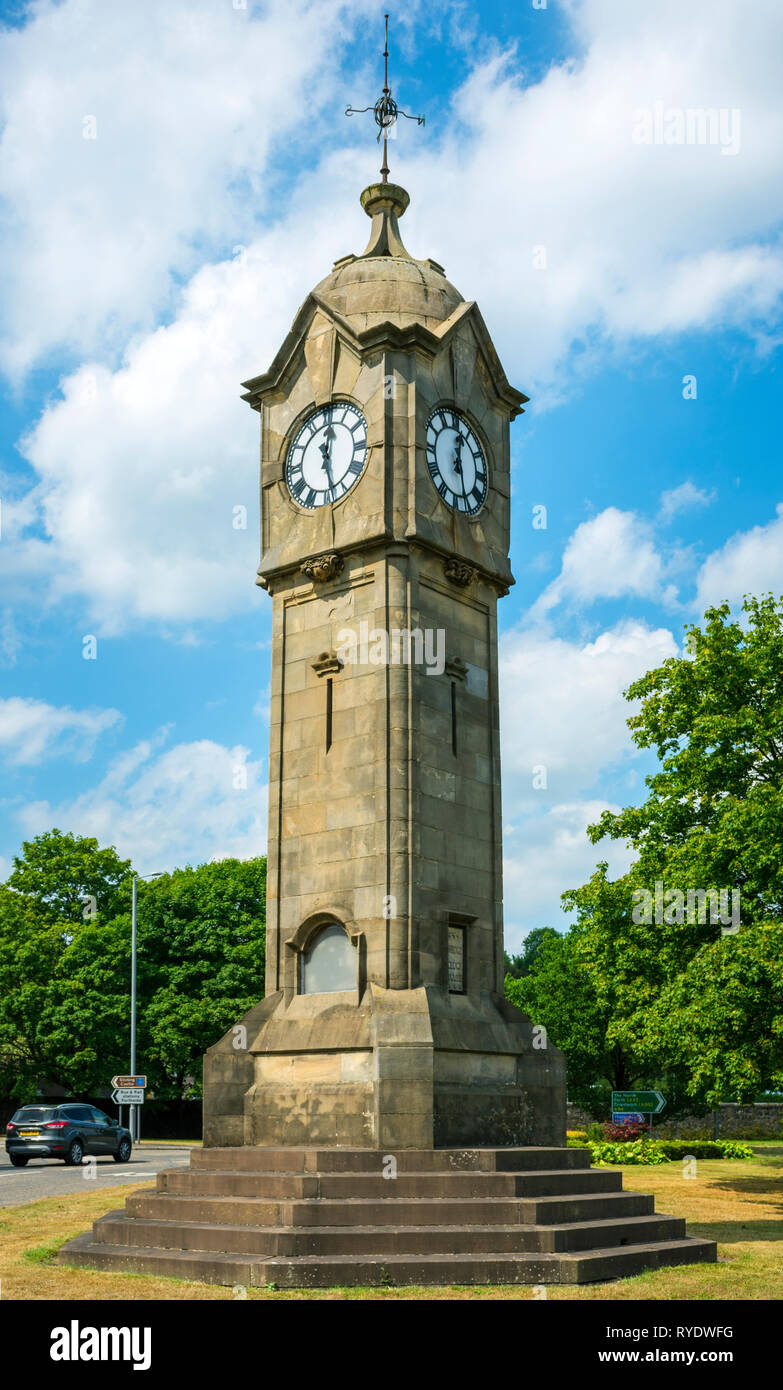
(456, 960)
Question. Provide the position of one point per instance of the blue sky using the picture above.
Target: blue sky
(174, 180)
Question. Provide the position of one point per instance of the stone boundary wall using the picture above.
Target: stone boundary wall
(764, 1120)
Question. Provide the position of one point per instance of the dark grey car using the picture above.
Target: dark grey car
(67, 1131)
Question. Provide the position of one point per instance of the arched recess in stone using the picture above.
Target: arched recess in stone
(328, 963)
(325, 956)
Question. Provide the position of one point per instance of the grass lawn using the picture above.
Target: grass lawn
(739, 1204)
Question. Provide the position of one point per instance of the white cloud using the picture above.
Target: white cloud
(31, 730)
(563, 709)
(184, 805)
(679, 499)
(610, 555)
(10, 640)
(751, 562)
(141, 466)
(550, 854)
(189, 101)
(639, 240)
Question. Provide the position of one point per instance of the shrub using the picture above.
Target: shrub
(625, 1133)
(576, 1137)
(647, 1152)
(635, 1151)
(705, 1148)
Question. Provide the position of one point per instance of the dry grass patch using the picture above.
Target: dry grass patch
(739, 1204)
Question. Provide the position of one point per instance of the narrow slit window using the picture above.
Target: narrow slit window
(458, 940)
(454, 718)
(328, 714)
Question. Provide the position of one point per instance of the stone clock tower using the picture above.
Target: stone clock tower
(385, 536)
(384, 1048)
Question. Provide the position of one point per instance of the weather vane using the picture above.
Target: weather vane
(385, 109)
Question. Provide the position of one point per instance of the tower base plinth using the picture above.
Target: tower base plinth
(407, 1069)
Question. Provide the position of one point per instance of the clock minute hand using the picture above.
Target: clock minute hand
(326, 448)
(458, 464)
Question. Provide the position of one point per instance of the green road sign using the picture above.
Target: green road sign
(650, 1102)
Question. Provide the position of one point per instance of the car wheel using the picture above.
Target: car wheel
(75, 1154)
(124, 1151)
(19, 1160)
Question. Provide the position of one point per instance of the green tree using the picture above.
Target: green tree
(63, 998)
(578, 1011)
(201, 964)
(62, 963)
(65, 977)
(520, 965)
(721, 1019)
(69, 877)
(688, 997)
(714, 815)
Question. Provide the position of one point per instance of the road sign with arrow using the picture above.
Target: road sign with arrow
(650, 1102)
(127, 1095)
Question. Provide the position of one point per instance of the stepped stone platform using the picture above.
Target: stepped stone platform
(315, 1218)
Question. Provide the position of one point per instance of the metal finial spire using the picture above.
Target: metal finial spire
(385, 109)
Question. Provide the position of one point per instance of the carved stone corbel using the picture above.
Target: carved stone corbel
(327, 664)
(320, 568)
(459, 572)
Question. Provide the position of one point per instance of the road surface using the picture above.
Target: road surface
(50, 1178)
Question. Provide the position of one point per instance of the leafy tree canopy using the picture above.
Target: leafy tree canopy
(714, 816)
(70, 876)
(521, 965)
(65, 976)
(679, 997)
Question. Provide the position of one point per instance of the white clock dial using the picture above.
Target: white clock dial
(328, 454)
(456, 461)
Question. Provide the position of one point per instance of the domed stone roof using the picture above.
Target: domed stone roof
(385, 283)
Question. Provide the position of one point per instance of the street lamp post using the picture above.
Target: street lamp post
(132, 1120)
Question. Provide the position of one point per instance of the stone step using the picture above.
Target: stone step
(214, 1267)
(283, 1186)
(393, 1270)
(393, 1211)
(279, 1241)
(314, 1160)
(629, 1230)
(582, 1267)
(596, 1266)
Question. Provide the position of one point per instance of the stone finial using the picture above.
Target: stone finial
(322, 567)
(327, 664)
(384, 203)
(458, 572)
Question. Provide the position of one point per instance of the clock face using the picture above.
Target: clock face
(456, 461)
(327, 455)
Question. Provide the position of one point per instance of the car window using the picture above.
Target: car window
(99, 1118)
(80, 1112)
(33, 1114)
